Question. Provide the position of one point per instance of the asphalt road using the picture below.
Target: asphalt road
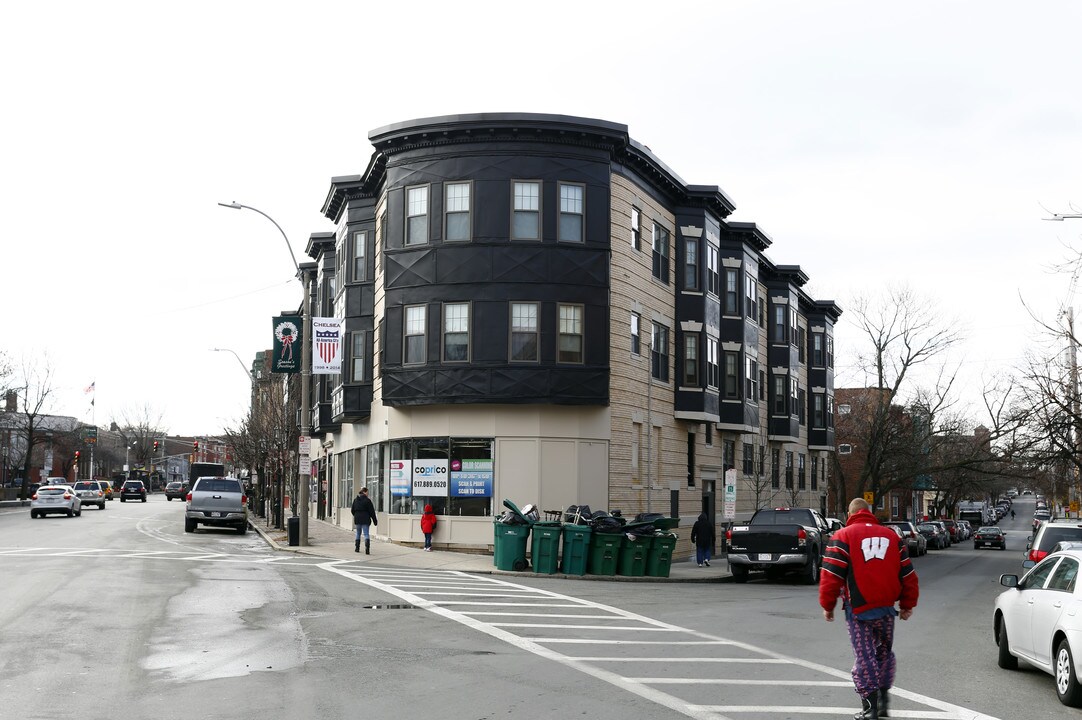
(119, 613)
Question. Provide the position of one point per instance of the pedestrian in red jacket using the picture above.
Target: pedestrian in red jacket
(868, 565)
(428, 526)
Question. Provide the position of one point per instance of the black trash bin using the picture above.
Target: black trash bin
(293, 527)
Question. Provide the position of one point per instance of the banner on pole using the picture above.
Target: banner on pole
(326, 346)
(287, 344)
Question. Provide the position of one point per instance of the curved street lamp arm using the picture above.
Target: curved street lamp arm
(238, 206)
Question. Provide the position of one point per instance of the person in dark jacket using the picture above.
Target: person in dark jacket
(428, 526)
(364, 514)
(702, 534)
(868, 565)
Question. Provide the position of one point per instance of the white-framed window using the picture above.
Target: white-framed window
(456, 332)
(526, 213)
(357, 356)
(570, 342)
(457, 211)
(844, 408)
(414, 335)
(845, 449)
(360, 247)
(713, 367)
(713, 279)
(659, 352)
(636, 345)
(524, 332)
(660, 253)
(417, 215)
(636, 228)
(751, 379)
(572, 210)
(691, 264)
(691, 360)
(751, 291)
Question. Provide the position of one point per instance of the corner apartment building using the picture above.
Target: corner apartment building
(537, 308)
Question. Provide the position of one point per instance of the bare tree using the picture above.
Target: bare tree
(901, 334)
(31, 426)
(138, 429)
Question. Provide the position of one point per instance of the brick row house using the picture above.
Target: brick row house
(537, 308)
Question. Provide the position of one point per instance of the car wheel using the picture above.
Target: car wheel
(71, 512)
(144, 499)
(242, 529)
(1067, 686)
(740, 573)
(121, 498)
(189, 525)
(101, 506)
(811, 573)
(1005, 659)
(170, 499)
(33, 514)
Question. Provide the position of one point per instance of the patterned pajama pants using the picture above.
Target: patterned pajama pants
(875, 664)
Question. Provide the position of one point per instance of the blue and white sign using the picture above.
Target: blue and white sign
(430, 478)
(401, 473)
(471, 478)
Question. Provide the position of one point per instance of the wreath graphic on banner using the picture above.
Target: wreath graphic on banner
(286, 332)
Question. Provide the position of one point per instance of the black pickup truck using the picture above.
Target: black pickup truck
(779, 540)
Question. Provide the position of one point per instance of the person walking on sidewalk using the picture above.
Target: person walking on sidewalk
(364, 514)
(428, 526)
(702, 534)
(868, 565)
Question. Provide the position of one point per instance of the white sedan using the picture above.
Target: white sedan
(1039, 619)
(60, 499)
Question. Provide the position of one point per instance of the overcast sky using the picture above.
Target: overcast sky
(909, 143)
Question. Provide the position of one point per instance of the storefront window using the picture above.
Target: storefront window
(430, 478)
(373, 477)
(398, 471)
(472, 476)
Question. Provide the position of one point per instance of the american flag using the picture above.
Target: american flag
(90, 388)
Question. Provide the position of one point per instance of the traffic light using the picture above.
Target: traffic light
(195, 446)
(76, 457)
(155, 446)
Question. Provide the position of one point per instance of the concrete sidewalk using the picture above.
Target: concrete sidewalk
(331, 541)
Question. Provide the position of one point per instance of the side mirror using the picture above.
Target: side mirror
(1008, 580)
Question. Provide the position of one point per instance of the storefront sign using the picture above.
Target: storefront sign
(471, 478)
(401, 473)
(430, 478)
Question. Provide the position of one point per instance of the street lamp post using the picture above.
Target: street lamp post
(303, 273)
(242, 366)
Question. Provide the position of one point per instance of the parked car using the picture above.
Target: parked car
(916, 543)
(967, 528)
(1046, 537)
(90, 493)
(133, 490)
(949, 540)
(176, 490)
(952, 528)
(1039, 517)
(1039, 619)
(58, 499)
(990, 535)
(934, 535)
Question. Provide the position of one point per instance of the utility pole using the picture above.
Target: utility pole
(1076, 414)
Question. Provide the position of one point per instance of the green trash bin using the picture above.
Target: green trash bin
(659, 558)
(576, 549)
(633, 554)
(545, 547)
(509, 546)
(604, 553)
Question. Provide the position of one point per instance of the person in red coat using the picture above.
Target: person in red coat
(428, 526)
(867, 565)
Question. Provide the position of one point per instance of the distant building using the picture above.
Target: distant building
(537, 308)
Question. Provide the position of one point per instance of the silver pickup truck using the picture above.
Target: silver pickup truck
(216, 501)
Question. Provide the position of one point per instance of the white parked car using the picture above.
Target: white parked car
(1039, 619)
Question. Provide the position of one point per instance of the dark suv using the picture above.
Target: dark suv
(1048, 534)
(133, 490)
(178, 490)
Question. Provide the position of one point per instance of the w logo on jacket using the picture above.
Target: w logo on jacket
(874, 548)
